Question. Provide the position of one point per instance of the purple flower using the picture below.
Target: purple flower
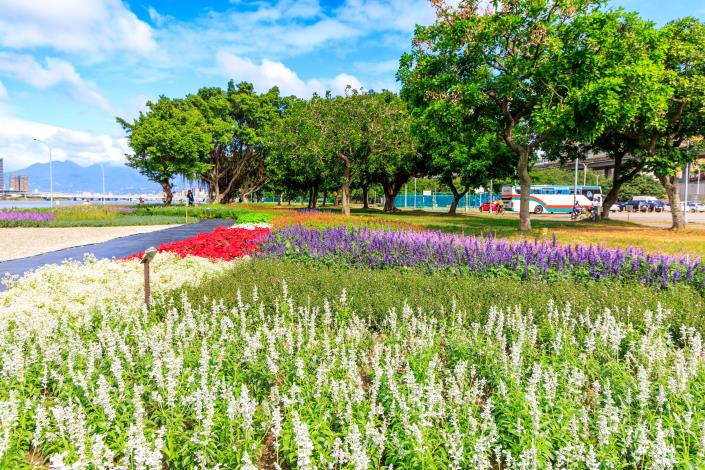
(435, 250)
(31, 216)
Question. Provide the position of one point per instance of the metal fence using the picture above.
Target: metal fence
(441, 200)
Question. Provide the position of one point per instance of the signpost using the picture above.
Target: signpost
(146, 258)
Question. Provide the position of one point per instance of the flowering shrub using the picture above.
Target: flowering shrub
(53, 294)
(269, 382)
(22, 216)
(377, 248)
(223, 243)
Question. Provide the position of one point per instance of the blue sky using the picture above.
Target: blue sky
(68, 68)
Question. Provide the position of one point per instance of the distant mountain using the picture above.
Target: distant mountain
(70, 177)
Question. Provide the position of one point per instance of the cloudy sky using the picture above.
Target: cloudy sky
(67, 68)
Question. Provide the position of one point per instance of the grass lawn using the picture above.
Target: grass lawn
(612, 233)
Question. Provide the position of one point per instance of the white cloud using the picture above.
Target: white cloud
(270, 73)
(56, 72)
(3, 91)
(74, 26)
(18, 149)
(156, 17)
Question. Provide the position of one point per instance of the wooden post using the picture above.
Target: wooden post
(146, 283)
(146, 258)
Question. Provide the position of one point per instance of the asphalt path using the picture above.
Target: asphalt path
(116, 248)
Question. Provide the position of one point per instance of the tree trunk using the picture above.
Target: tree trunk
(281, 197)
(525, 184)
(310, 198)
(390, 196)
(617, 182)
(168, 195)
(325, 196)
(457, 196)
(347, 182)
(314, 192)
(671, 187)
(345, 190)
(365, 196)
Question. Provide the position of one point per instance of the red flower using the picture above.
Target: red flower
(223, 243)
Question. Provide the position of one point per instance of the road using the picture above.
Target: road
(116, 248)
(649, 219)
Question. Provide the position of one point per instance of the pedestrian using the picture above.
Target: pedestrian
(189, 197)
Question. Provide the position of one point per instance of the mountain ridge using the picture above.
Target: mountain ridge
(70, 177)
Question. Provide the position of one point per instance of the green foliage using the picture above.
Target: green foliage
(212, 211)
(565, 177)
(438, 290)
(170, 139)
(641, 185)
(506, 66)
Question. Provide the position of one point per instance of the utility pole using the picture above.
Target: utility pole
(102, 170)
(414, 192)
(585, 167)
(687, 183)
(51, 174)
(575, 183)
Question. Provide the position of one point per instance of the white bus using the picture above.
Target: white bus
(553, 199)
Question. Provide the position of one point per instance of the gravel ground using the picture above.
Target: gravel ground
(21, 242)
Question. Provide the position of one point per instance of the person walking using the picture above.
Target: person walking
(189, 197)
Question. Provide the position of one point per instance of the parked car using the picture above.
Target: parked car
(616, 207)
(485, 207)
(694, 206)
(636, 205)
(657, 206)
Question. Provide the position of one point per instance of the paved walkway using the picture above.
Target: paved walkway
(117, 248)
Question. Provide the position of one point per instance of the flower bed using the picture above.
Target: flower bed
(26, 216)
(221, 244)
(283, 383)
(53, 294)
(377, 248)
(314, 218)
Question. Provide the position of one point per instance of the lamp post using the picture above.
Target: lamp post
(575, 184)
(51, 174)
(687, 183)
(102, 170)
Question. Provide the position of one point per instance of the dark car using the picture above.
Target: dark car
(656, 206)
(636, 205)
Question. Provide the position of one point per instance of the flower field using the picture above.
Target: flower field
(272, 382)
(435, 250)
(259, 374)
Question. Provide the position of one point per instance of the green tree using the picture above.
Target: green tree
(615, 74)
(669, 147)
(168, 140)
(503, 64)
(393, 157)
(295, 160)
(640, 185)
(463, 155)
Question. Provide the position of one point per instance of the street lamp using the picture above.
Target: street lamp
(51, 174)
(102, 170)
